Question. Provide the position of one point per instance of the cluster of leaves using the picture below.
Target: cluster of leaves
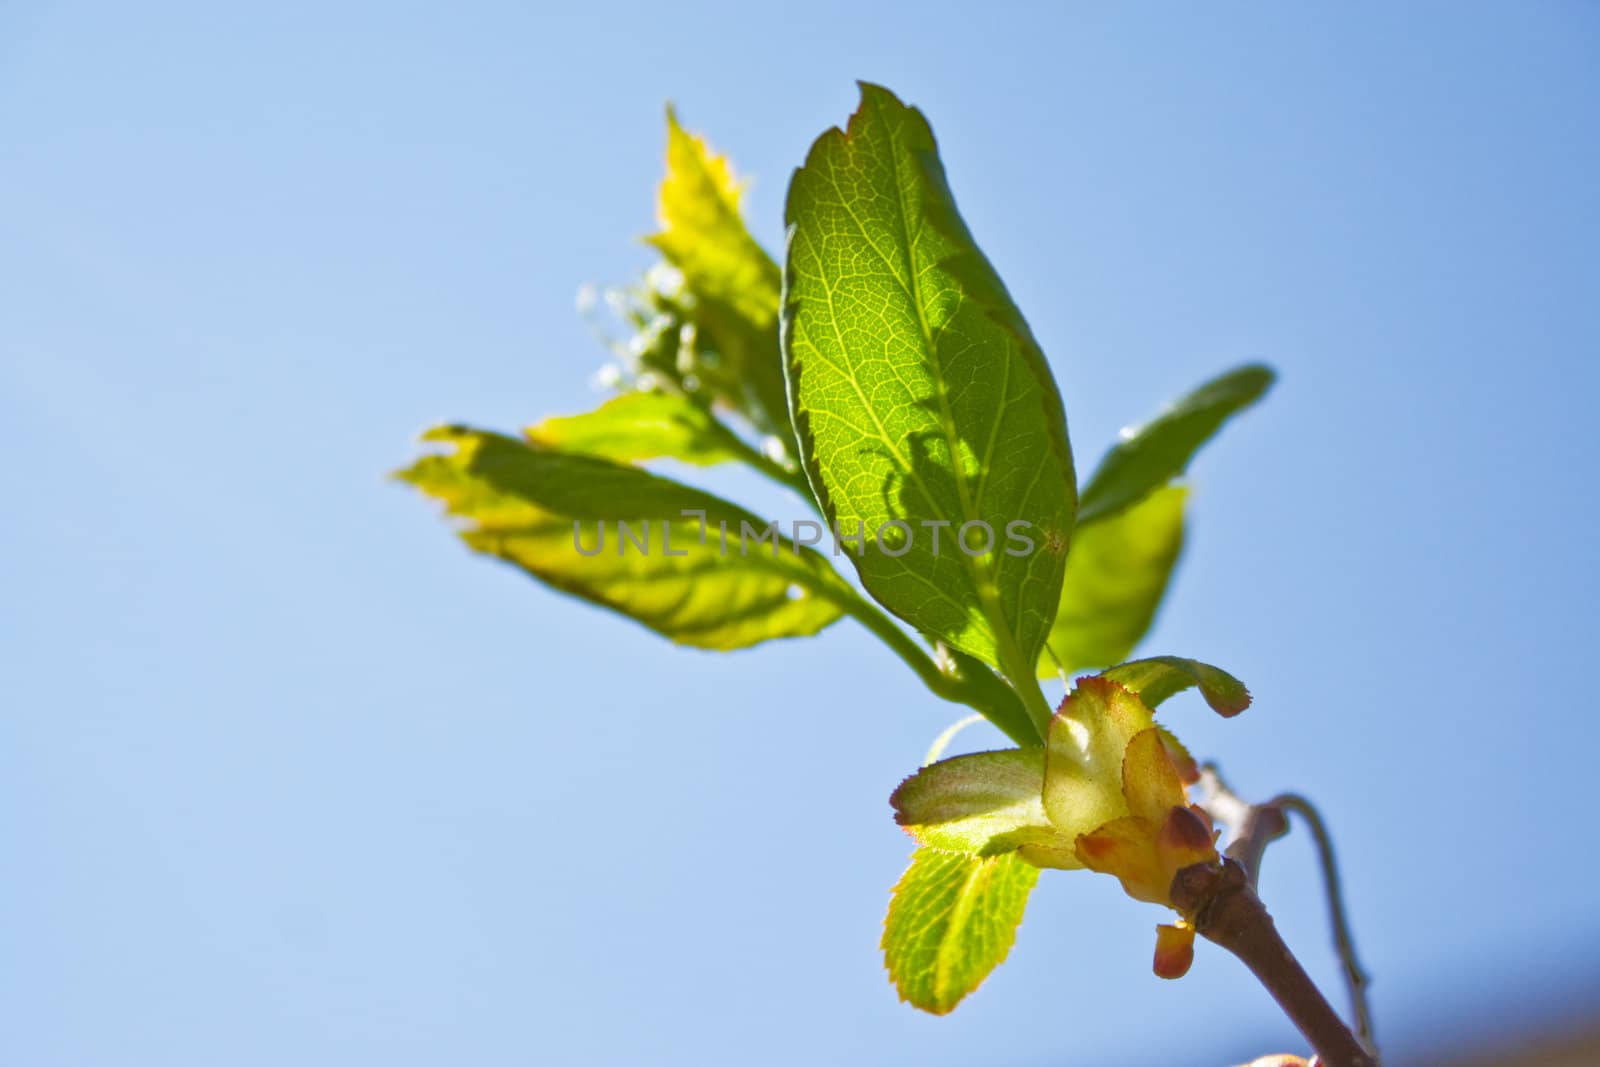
(886, 377)
(1106, 792)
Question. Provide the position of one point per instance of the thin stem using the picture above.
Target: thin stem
(949, 685)
(1253, 826)
(1262, 825)
(876, 622)
(1356, 979)
(1227, 912)
(1017, 669)
(1061, 669)
(1027, 686)
(901, 644)
(942, 742)
(790, 479)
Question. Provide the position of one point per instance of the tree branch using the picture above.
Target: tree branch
(1356, 979)
(1227, 912)
(1254, 826)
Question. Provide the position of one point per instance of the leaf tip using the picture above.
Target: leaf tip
(897, 800)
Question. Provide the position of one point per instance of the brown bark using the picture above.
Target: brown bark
(1227, 912)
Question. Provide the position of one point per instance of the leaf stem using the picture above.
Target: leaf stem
(1026, 681)
(950, 684)
(947, 685)
(1017, 669)
(794, 480)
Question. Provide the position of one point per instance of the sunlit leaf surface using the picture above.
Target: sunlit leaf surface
(732, 282)
(984, 802)
(639, 426)
(952, 920)
(919, 395)
(1160, 677)
(520, 505)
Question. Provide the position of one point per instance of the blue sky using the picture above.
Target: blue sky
(287, 777)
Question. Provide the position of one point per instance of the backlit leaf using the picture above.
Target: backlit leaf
(1160, 677)
(1115, 579)
(733, 283)
(535, 507)
(1153, 454)
(951, 921)
(1089, 737)
(985, 803)
(639, 426)
(919, 394)
(703, 233)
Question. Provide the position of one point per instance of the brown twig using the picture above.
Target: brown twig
(1356, 979)
(1227, 911)
(1253, 827)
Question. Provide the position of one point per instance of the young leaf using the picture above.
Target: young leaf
(1160, 450)
(735, 284)
(985, 803)
(1115, 579)
(640, 426)
(1160, 677)
(919, 395)
(1089, 737)
(702, 231)
(547, 512)
(951, 921)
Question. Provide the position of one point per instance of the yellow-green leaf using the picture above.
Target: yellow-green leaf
(703, 232)
(544, 511)
(1116, 577)
(640, 426)
(985, 803)
(919, 395)
(733, 283)
(952, 920)
(1089, 736)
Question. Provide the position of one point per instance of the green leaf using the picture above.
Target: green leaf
(951, 921)
(543, 510)
(1160, 677)
(919, 394)
(985, 803)
(733, 282)
(1152, 455)
(1116, 577)
(640, 426)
